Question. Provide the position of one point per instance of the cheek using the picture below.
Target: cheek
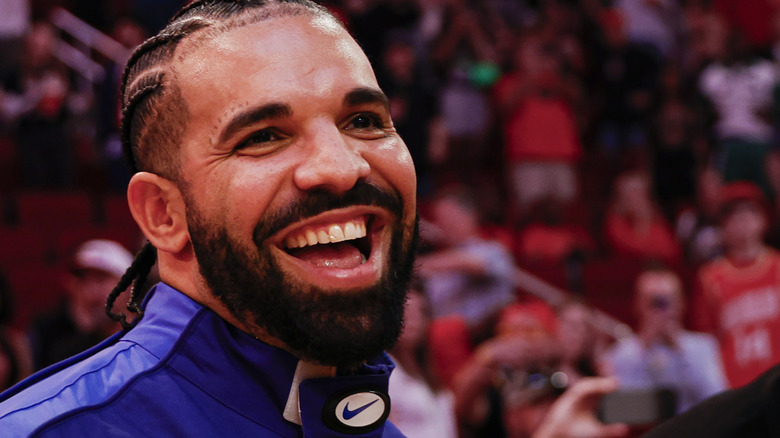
(240, 194)
(394, 163)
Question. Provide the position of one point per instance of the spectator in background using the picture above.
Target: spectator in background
(512, 384)
(130, 34)
(412, 94)
(15, 355)
(705, 31)
(505, 389)
(560, 23)
(678, 139)
(752, 19)
(81, 322)
(663, 354)
(674, 156)
(652, 26)
(465, 275)
(580, 344)
(13, 28)
(373, 22)
(465, 59)
(421, 407)
(640, 37)
(624, 78)
(551, 236)
(738, 295)
(634, 225)
(37, 104)
(537, 100)
(697, 226)
(740, 89)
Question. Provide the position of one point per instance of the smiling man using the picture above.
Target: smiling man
(279, 203)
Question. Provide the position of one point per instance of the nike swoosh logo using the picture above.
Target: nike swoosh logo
(348, 415)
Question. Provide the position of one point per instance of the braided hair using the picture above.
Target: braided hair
(154, 114)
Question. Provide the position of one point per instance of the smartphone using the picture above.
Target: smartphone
(638, 407)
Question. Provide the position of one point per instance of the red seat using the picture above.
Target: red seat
(551, 272)
(36, 289)
(450, 347)
(24, 244)
(116, 210)
(54, 210)
(609, 285)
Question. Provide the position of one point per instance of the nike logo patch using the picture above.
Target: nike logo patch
(348, 414)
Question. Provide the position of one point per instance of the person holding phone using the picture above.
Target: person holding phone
(663, 354)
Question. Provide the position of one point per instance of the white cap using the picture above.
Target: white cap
(103, 255)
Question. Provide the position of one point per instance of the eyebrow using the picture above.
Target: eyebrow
(355, 97)
(364, 95)
(254, 115)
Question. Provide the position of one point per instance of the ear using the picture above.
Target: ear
(158, 207)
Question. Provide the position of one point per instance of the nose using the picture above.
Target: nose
(332, 162)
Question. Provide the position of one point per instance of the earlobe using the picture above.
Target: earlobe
(157, 205)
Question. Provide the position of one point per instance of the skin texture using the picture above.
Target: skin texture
(282, 112)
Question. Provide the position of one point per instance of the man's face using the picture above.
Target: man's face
(744, 225)
(300, 194)
(659, 296)
(87, 290)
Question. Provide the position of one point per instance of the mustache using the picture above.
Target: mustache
(319, 201)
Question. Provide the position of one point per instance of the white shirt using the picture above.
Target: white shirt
(738, 92)
(418, 411)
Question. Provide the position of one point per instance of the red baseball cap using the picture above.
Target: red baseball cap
(737, 192)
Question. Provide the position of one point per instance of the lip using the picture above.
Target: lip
(340, 279)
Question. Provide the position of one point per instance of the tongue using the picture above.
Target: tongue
(335, 255)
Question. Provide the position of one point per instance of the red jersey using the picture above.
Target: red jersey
(740, 305)
(539, 128)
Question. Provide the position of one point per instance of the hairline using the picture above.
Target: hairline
(150, 161)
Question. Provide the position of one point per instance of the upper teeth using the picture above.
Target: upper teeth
(334, 233)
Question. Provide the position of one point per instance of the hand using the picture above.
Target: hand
(515, 352)
(573, 415)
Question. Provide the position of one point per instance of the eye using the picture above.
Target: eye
(258, 138)
(366, 121)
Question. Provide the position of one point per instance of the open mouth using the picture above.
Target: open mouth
(343, 245)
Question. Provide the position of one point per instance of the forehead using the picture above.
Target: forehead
(658, 283)
(743, 206)
(271, 60)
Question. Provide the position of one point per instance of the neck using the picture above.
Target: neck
(746, 254)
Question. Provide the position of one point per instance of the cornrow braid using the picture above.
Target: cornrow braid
(154, 113)
(143, 100)
(135, 276)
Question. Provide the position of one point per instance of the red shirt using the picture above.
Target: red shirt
(657, 241)
(740, 305)
(539, 128)
(551, 243)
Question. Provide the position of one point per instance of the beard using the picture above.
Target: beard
(336, 328)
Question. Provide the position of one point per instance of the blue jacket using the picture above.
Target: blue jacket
(185, 372)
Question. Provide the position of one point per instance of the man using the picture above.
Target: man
(280, 203)
(662, 354)
(739, 87)
(80, 322)
(738, 296)
(467, 275)
(741, 292)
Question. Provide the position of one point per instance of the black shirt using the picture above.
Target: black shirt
(750, 411)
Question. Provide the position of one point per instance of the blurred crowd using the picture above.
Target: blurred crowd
(625, 151)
